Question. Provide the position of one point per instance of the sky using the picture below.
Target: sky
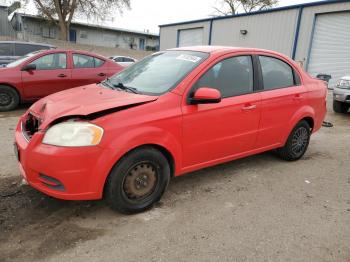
(148, 14)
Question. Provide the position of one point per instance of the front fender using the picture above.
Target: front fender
(136, 137)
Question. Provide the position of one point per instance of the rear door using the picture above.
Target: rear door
(222, 130)
(282, 96)
(52, 75)
(88, 70)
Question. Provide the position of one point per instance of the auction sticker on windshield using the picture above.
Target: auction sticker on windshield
(190, 58)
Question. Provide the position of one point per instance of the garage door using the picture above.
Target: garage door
(330, 50)
(191, 37)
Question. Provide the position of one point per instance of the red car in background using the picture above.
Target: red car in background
(42, 73)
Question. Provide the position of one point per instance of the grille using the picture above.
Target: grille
(30, 126)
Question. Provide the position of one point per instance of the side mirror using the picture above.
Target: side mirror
(206, 95)
(29, 67)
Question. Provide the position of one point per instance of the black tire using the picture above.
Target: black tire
(9, 98)
(340, 107)
(145, 161)
(297, 142)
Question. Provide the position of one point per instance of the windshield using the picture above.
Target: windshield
(21, 59)
(160, 72)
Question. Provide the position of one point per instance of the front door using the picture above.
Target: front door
(50, 76)
(222, 130)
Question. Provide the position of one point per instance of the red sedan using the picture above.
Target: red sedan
(171, 113)
(42, 73)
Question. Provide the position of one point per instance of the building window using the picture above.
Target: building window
(49, 32)
(83, 34)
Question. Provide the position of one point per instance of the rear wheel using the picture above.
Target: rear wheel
(340, 107)
(137, 181)
(297, 143)
(9, 98)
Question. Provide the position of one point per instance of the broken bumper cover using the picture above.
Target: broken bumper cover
(64, 173)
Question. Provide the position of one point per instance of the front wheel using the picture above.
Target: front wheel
(9, 98)
(340, 107)
(297, 143)
(137, 181)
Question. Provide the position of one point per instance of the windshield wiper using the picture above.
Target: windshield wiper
(108, 83)
(120, 85)
(127, 88)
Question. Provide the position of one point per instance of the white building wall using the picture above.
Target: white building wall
(34, 30)
(274, 31)
(307, 25)
(168, 35)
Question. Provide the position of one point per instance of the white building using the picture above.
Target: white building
(315, 34)
(37, 29)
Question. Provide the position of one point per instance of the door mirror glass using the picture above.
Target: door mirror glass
(29, 67)
(206, 95)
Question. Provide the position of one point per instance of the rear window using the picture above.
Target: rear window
(23, 49)
(126, 59)
(85, 61)
(5, 49)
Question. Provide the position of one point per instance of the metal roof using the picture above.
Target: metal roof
(95, 26)
(283, 8)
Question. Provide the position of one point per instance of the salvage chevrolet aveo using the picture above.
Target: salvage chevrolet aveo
(171, 113)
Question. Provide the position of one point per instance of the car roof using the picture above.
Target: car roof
(220, 49)
(51, 51)
(26, 43)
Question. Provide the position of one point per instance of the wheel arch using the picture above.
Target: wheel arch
(14, 88)
(161, 148)
(306, 113)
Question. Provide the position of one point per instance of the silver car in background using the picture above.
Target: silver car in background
(12, 50)
(341, 95)
(124, 61)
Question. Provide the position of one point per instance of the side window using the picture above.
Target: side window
(276, 73)
(85, 61)
(98, 62)
(5, 49)
(51, 62)
(119, 59)
(232, 77)
(126, 59)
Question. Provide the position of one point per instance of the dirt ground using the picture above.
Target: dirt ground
(255, 209)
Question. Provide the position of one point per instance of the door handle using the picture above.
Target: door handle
(297, 97)
(62, 75)
(101, 74)
(248, 107)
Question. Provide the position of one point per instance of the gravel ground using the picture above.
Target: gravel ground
(255, 209)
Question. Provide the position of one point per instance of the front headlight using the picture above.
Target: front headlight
(343, 83)
(73, 134)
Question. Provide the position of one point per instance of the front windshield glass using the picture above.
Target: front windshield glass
(21, 59)
(160, 72)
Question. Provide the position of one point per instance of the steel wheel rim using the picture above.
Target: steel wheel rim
(5, 99)
(141, 181)
(300, 140)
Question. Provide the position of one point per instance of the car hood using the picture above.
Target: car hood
(346, 78)
(85, 101)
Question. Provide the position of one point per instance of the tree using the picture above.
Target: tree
(231, 7)
(13, 7)
(61, 12)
